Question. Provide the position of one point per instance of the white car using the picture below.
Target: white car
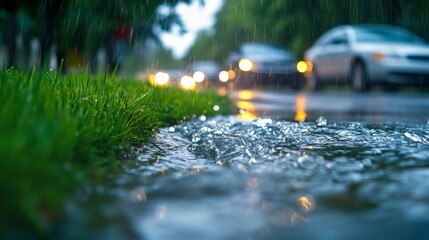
(365, 55)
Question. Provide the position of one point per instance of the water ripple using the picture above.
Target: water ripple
(282, 171)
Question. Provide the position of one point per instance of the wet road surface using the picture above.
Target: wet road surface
(370, 107)
(358, 172)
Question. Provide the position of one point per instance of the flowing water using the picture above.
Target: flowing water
(224, 178)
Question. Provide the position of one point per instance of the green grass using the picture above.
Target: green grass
(61, 132)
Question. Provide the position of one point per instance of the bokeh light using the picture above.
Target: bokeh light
(199, 76)
(161, 78)
(301, 66)
(187, 82)
(223, 76)
(231, 74)
(245, 65)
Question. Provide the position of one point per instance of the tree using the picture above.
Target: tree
(12, 8)
(92, 24)
(297, 24)
(87, 25)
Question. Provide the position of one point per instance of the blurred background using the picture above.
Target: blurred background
(181, 37)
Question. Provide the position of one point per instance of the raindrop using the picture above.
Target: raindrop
(171, 130)
(251, 161)
(203, 118)
(414, 137)
(216, 108)
(195, 138)
(321, 121)
(162, 212)
(138, 195)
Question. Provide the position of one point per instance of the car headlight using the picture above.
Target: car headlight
(245, 65)
(198, 76)
(223, 76)
(161, 78)
(187, 82)
(304, 66)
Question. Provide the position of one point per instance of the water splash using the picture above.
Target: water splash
(278, 174)
(351, 152)
(321, 122)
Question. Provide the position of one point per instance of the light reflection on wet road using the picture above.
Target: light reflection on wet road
(370, 107)
(223, 178)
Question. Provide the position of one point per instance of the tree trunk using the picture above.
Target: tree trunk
(110, 61)
(47, 40)
(52, 10)
(11, 37)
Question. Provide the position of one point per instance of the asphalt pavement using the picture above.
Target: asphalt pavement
(372, 107)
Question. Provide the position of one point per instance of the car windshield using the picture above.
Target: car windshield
(385, 34)
(265, 50)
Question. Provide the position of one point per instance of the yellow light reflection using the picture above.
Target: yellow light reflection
(231, 74)
(152, 79)
(222, 91)
(301, 101)
(187, 82)
(198, 76)
(246, 105)
(223, 76)
(245, 94)
(300, 116)
(251, 161)
(306, 203)
(309, 66)
(245, 65)
(247, 115)
(301, 66)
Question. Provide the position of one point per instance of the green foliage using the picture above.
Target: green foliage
(89, 22)
(59, 132)
(297, 24)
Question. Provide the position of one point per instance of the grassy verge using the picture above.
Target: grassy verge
(59, 132)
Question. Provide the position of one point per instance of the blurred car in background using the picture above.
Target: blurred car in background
(263, 64)
(166, 77)
(366, 55)
(204, 70)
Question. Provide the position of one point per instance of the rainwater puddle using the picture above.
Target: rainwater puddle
(224, 178)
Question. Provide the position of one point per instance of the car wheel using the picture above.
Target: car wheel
(358, 77)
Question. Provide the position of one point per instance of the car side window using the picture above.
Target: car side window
(338, 40)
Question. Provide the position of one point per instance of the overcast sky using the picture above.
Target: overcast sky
(196, 18)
